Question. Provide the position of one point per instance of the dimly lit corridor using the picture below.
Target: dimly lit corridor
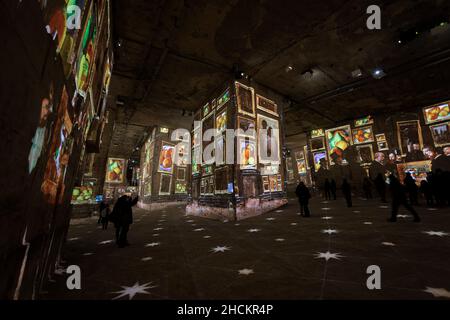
(234, 149)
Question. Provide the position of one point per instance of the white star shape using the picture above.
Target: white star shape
(246, 272)
(389, 244)
(328, 255)
(161, 220)
(326, 209)
(220, 249)
(436, 233)
(190, 221)
(402, 216)
(88, 254)
(157, 229)
(146, 258)
(431, 209)
(270, 219)
(324, 201)
(225, 221)
(330, 231)
(384, 207)
(156, 234)
(327, 218)
(254, 230)
(356, 211)
(153, 244)
(237, 224)
(73, 239)
(367, 222)
(279, 239)
(132, 291)
(278, 211)
(293, 223)
(438, 292)
(199, 229)
(105, 242)
(206, 237)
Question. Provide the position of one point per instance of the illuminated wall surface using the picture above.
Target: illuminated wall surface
(47, 122)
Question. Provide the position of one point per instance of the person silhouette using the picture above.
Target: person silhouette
(347, 191)
(333, 188)
(412, 189)
(303, 195)
(327, 189)
(398, 199)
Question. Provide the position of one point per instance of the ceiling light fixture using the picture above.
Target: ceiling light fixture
(378, 73)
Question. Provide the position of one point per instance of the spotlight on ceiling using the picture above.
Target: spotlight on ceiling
(238, 73)
(378, 73)
(289, 68)
(356, 73)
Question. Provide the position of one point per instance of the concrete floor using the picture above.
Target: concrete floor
(274, 256)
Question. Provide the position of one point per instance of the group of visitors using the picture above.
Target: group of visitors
(384, 176)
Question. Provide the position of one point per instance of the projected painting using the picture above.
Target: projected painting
(338, 141)
(248, 155)
(224, 98)
(247, 127)
(437, 113)
(180, 187)
(441, 134)
(363, 135)
(245, 99)
(319, 159)
(166, 158)
(301, 167)
(165, 184)
(221, 121)
(60, 150)
(115, 170)
(364, 121)
(364, 154)
(266, 105)
(82, 194)
(317, 144)
(409, 133)
(317, 133)
(269, 139)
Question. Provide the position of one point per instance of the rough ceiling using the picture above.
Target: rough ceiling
(173, 54)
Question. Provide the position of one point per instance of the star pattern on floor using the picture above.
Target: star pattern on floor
(106, 242)
(389, 244)
(330, 231)
(132, 291)
(158, 229)
(327, 218)
(246, 272)
(220, 249)
(253, 230)
(383, 207)
(328, 255)
(438, 292)
(73, 239)
(155, 235)
(206, 237)
(88, 254)
(279, 239)
(146, 258)
(199, 229)
(293, 223)
(436, 233)
(367, 222)
(153, 244)
(270, 219)
(326, 209)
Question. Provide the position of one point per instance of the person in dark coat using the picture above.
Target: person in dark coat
(427, 192)
(412, 189)
(102, 206)
(105, 217)
(303, 195)
(399, 198)
(327, 189)
(367, 188)
(347, 191)
(122, 217)
(333, 188)
(377, 172)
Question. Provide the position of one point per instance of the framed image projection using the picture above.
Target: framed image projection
(382, 146)
(338, 141)
(115, 170)
(437, 113)
(221, 121)
(182, 157)
(266, 105)
(364, 121)
(220, 152)
(301, 167)
(380, 137)
(317, 133)
(320, 158)
(247, 154)
(268, 140)
(165, 184)
(363, 135)
(441, 134)
(409, 133)
(249, 186)
(317, 144)
(206, 110)
(196, 160)
(221, 179)
(180, 187)
(207, 186)
(165, 164)
(245, 99)
(364, 154)
(197, 137)
(269, 169)
(247, 126)
(299, 155)
(223, 99)
(181, 174)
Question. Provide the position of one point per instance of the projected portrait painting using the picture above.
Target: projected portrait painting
(338, 141)
(268, 140)
(363, 135)
(165, 164)
(441, 134)
(115, 170)
(245, 99)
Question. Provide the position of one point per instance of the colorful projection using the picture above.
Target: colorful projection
(41, 136)
(195, 160)
(317, 133)
(221, 121)
(441, 134)
(224, 98)
(248, 155)
(181, 187)
(166, 159)
(247, 127)
(245, 99)
(338, 141)
(363, 135)
(409, 133)
(165, 184)
(60, 149)
(272, 183)
(82, 195)
(364, 121)
(437, 113)
(364, 154)
(86, 52)
(115, 170)
(320, 158)
(269, 139)
(317, 144)
(418, 170)
(301, 167)
(206, 110)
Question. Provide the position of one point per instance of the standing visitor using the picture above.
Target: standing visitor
(303, 195)
(399, 198)
(347, 191)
